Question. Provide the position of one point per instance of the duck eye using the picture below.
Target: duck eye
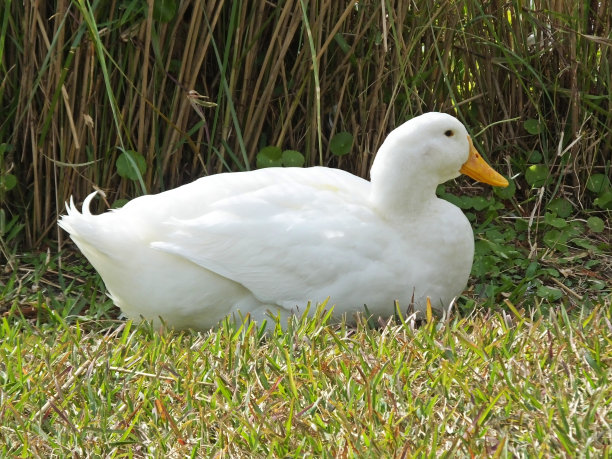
(449, 133)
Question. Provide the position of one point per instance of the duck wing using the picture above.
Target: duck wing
(305, 234)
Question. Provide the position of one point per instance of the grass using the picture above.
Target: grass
(491, 384)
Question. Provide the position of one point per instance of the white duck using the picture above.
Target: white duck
(271, 240)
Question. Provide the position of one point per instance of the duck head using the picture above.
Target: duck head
(421, 154)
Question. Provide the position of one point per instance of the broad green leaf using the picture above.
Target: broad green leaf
(131, 165)
(554, 221)
(532, 126)
(505, 193)
(480, 203)
(597, 285)
(270, 156)
(549, 293)
(555, 238)
(292, 158)
(598, 183)
(341, 143)
(586, 244)
(481, 247)
(604, 201)
(456, 200)
(521, 224)
(494, 234)
(577, 226)
(485, 265)
(592, 263)
(464, 202)
(537, 175)
(4, 147)
(8, 182)
(595, 224)
(562, 207)
(534, 157)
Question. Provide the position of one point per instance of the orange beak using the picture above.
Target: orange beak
(478, 169)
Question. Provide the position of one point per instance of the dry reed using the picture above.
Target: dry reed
(80, 83)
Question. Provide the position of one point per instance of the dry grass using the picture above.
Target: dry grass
(78, 86)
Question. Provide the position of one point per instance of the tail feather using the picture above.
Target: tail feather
(73, 218)
(93, 234)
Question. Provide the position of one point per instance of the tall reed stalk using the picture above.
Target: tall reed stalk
(199, 87)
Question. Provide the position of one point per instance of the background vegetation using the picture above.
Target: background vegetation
(131, 97)
(196, 87)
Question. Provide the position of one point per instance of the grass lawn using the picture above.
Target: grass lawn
(486, 383)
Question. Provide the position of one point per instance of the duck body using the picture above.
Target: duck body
(270, 241)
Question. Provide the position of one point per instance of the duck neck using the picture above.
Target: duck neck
(399, 196)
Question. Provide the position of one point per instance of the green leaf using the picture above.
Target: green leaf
(555, 238)
(595, 224)
(131, 165)
(485, 266)
(577, 227)
(494, 234)
(481, 248)
(586, 244)
(532, 126)
(8, 182)
(598, 183)
(531, 270)
(119, 203)
(341, 143)
(604, 201)
(505, 193)
(465, 202)
(552, 220)
(521, 225)
(345, 47)
(534, 157)
(456, 200)
(164, 10)
(292, 158)
(480, 203)
(598, 285)
(562, 207)
(270, 156)
(342, 43)
(537, 175)
(549, 293)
